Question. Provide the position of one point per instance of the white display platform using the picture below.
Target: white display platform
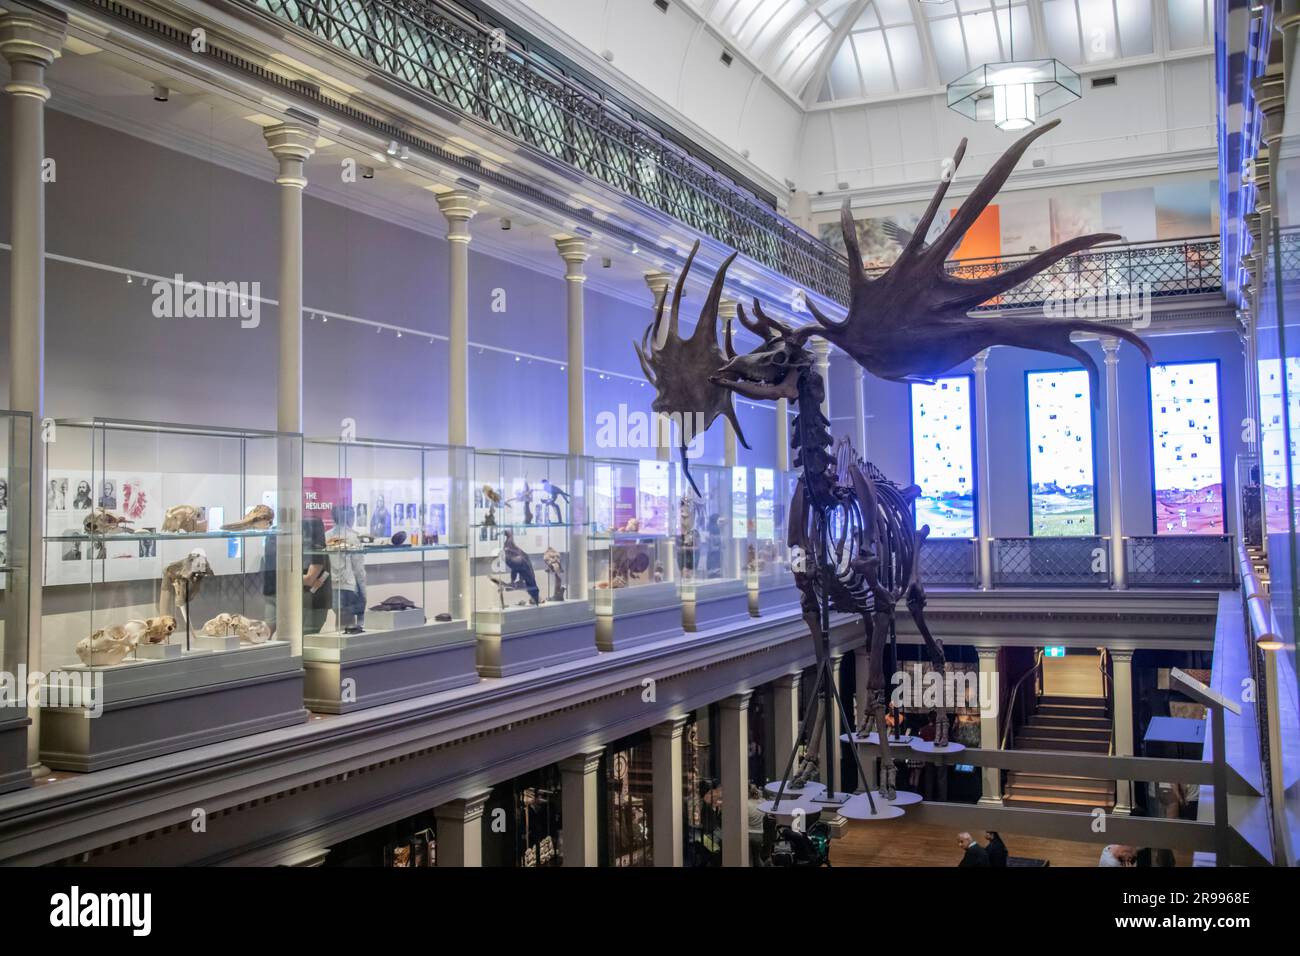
(710, 603)
(525, 638)
(811, 789)
(641, 614)
(873, 739)
(928, 747)
(347, 672)
(202, 642)
(394, 620)
(792, 809)
(902, 798)
(860, 808)
(151, 708)
(159, 652)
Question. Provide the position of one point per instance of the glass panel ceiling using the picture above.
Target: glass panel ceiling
(854, 49)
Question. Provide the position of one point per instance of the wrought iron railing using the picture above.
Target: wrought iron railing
(1106, 278)
(480, 72)
(1051, 562)
(1181, 560)
(949, 562)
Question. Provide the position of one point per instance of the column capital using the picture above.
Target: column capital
(789, 681)
(727, 309)
(981, 361)
(1270, 94)
(462, 809)
(1110, 345)
(737, 701)
(31, 38)
(583, 763)
(672, 728)
(292, 144)
(1124, 656)
(987, 653)
(821, 348)
(458, 208)
(658, 283)
(573, 250)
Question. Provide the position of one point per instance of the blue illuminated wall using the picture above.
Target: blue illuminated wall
(942, 457)
(1186, 448)
(1062, 483)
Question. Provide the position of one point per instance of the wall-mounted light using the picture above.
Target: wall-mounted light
(606, 262)
(505, 224)
(367, 172)
(393, 148)
(160, 93)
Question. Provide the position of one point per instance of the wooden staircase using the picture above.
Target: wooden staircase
(1063, 723)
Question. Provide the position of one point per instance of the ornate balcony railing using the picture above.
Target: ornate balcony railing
(949, 562)
(1181, 560)
(1135, 270)
(1051, 562)
(481, 73)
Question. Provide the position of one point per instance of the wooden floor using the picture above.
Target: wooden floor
(900, 843)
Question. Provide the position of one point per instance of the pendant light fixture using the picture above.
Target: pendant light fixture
(1014, 94)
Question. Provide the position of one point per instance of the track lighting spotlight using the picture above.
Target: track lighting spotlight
(160, 93)
(505, 225)
(367, 172)
(393, 148)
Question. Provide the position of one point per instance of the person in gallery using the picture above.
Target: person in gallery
(975, 854)
(995, 848)
(317, 594)
(757, 818)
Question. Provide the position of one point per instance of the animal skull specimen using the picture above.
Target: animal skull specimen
(259, 518)
(185, 518)
(103, 521)
(182, 579)
(110, 645)
(248, 630)
(152, 630)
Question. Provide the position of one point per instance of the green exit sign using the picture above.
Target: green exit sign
(1054, 651)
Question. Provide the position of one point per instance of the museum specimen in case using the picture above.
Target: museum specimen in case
(711, 527)
(634, 518)
(168, 549)
(767, 557)
(387, 529)
(15, 515)
(529, 541)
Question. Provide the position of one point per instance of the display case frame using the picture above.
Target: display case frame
(15, 594)
(211, 674)
(527, 630)
(376, 559)
(635, 593)
(767, 574)
(711, 580)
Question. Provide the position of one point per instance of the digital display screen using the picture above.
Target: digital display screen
(943, 457)
(1062, 486)
(1187, 448)
(1275, 398)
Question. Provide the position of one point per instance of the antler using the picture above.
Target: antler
(681, 369)
(911, 323)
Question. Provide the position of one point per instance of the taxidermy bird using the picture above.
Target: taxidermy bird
(520, 566)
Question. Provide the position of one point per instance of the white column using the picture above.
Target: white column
(785, 717)
(579, 810)
(459, 831)
(822, 358)
(1122, 711)
(291, 144)
(727, 312)
(658, 283)
(574, 253)
(990, 702)
(666, 774)
(458, 209)
(1115, 475)
(859, 411)
(30, 40)
(831, 775)
(983, 470)
(734, 763)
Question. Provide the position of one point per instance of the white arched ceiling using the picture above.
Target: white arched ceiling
(827, 92)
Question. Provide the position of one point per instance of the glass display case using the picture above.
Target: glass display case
(767, 568)
(709, 544)
(172, 578)
(634, 517)
(529, 537)
(15, 533)
(387, 532)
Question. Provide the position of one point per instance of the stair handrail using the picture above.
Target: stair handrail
(1104, 667)
(1011, 700)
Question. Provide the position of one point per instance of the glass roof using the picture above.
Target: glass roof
(823, 51)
